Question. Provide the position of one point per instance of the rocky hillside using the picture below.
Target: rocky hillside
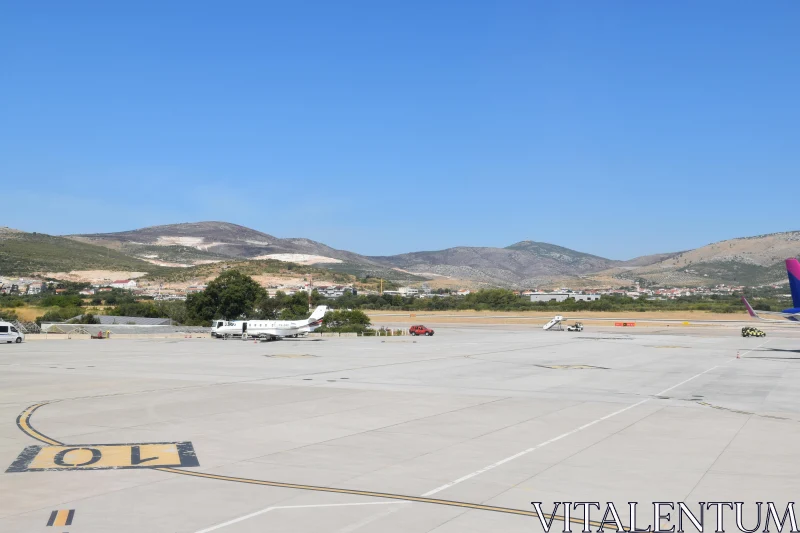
(23, 254)
(527, 264)
(197, 243)
(203, 241)
(524, 264)
(744, 261)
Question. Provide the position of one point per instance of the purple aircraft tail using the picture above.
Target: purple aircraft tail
(749, 308)
(793, 270)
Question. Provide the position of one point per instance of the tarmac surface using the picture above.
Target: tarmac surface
(458, 432)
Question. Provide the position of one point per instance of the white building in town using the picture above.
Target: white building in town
(561, 296)
(128, 284)
(408, 291)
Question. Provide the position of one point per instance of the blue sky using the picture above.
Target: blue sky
(615, 128)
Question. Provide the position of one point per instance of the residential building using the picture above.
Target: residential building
(35, 288)
(549, 296)
(128, 284)
(561, 296)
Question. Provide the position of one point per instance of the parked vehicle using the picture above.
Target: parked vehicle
(9, 333)
(748, 331)
(577, 326)
(420, 330)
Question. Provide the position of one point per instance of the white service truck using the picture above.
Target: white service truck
(225, 329)
(9, 333)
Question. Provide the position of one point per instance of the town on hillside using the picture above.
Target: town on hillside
(160, 291)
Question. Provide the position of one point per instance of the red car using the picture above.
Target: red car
(420, 330)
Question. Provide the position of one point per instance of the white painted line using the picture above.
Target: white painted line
(268, 509)
(690, 379)
(756, 348)
(471, 475)
(529, 450)
(368, 520)
(563, 435)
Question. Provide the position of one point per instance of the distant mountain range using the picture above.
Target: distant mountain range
(526, 264)
(195, 241)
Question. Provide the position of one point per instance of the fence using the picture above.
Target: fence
(57, 328)
(27, 327)
(384, 332)
(60, 328)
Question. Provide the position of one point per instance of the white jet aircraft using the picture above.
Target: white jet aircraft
(268, 329)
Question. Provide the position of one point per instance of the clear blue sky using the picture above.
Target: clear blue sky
(615, 128)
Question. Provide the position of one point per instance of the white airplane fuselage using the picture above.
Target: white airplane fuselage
(268, 329)
(277, 328)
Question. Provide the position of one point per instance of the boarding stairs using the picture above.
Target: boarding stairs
(554, 324)
(27, 327)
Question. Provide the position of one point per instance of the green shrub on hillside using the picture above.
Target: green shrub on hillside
(8, 315)
(60, 314)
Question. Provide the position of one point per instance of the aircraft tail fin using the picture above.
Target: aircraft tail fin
(317, 315)
(749, 307)
(793, 271)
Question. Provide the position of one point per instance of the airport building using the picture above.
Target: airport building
(561, 296)
(128, 284)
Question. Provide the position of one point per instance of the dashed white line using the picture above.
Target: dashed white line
(756, 348)
(564, 435)
(472, 474)
(688, 380)
(534, 448)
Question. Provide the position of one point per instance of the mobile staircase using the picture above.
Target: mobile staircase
(554, 324)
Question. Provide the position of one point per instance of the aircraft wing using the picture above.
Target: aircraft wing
(780, 316)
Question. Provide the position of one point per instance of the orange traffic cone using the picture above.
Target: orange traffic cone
(738, 356)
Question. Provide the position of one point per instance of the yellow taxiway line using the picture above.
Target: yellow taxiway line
(24, 423)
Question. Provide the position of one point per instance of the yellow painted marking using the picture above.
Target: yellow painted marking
(23, 421)
(419, 499)
(105, 456)
(28, 429)
(61, 518)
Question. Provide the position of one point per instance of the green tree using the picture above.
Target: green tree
(62, 301)
(89, 318)
(231, 295)
(174, 310)
(295, 307)
(60, 314)
(267, 308)
(345, 321)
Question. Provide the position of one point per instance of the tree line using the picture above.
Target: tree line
(235, 295)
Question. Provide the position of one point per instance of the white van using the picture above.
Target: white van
(9, 333)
